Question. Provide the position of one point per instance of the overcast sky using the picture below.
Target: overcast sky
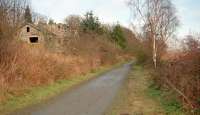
(112, 11)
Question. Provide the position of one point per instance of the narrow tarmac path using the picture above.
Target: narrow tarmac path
(91, 98)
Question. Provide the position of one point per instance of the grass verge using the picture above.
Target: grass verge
(167, 100)
(41, 93)
(132, 99)
(140, 96)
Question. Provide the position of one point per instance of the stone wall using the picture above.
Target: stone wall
(25, 35)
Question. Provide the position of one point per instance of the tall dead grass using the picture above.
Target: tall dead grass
(24, 66)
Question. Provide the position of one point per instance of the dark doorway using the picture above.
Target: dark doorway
(33, 39)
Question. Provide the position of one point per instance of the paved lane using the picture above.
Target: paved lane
(91, 98)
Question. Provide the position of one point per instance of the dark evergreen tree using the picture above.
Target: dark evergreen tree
(118, 36)
(90, 22)
(27, 15)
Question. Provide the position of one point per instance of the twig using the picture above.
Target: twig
(179, 92)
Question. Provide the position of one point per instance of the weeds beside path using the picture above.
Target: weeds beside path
(37, 94)
(133, 98)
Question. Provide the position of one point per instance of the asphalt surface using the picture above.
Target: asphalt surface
(90, 98)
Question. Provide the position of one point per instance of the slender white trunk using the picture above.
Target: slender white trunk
(154, 52)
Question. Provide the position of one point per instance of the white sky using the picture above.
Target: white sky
(113, 11)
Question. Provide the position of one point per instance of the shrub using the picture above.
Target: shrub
(141, 57)
(182, 73)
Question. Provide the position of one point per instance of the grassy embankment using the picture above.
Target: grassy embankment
(140, 96)
(41, 93)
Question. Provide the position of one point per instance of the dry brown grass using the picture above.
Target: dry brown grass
(181, 73)
(24, 66)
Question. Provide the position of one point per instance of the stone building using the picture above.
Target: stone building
(31, 34)
(51, 36)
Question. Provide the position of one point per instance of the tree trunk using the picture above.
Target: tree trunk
(154, 53)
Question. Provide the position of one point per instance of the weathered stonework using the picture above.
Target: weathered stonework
(30, 34)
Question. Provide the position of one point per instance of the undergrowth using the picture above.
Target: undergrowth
(167, 99)
(42, 93)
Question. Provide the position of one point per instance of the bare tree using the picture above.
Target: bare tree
(159, 21)
(11, 17)
(11, 14)
(73, 23)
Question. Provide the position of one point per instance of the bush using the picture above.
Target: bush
(141, 57)
(183, 73)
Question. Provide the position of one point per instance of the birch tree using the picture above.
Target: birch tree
(159, 22)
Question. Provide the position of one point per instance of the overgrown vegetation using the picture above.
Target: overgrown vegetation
(167, 99)
(178, 73)
(181, 73)
(44, 92)
(26, 66)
